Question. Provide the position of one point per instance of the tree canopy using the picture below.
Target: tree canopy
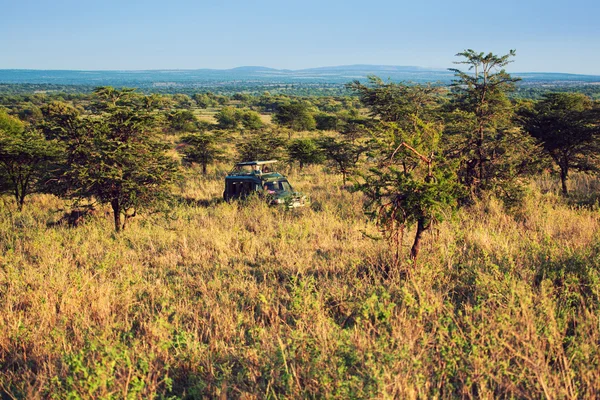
(567, 126)
(25, 158)
(295, 115)
(114, 156)
(480, 129)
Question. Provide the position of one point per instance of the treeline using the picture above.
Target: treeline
(537, 91)
(417, 152)
(220, 88)
(523, 90)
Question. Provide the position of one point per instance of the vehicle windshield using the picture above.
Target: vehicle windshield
(278, 186)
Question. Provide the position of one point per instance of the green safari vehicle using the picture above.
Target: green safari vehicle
(255, 177)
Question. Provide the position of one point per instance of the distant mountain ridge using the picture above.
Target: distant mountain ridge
(259, 75)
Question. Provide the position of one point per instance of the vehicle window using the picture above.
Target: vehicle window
(278, 186)
(241, 189)
(286, 186)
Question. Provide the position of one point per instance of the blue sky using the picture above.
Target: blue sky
(181, 34)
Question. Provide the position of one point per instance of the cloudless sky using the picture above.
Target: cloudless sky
(549, 36)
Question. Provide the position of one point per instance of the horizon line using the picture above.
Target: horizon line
(435, 69)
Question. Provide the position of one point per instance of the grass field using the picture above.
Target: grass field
(208, 115)
(241, 300)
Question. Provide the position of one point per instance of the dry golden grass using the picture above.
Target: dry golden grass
(206, 114)
(267, 119)
(243, 300)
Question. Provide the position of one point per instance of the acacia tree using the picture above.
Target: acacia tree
(204, 100)
(114, 156)
(203, 148)
(305, 151)
(567, 126)
(231, 118)
(326, 122)
(251, 120)
(296, 116)
(228, 118)
(411, 182)
(341, 153)
(108, 96)
(393, 102)
(181, 121)
(480, 126)
(261, 145)
(25, 158)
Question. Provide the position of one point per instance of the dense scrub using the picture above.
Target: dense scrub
(246, 301)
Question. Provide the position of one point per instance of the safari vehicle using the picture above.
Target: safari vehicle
(255, 177)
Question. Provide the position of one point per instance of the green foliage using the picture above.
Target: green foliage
(10, 125)
(326, 122)
(228, 118)
(261, 145)
(25, 158)
(411, 184)
(242, 97)
(343, 154)
(204, 100)
(114, 156)
(96, 371)
(30, 113)
(182, 121)
(231, 118)
(61, 121)
(492, 152)
(353, 128)
(183, 101)
(567, 126)
(305, 151)
(203, 148)
(250, 120)
(392, 102)
(107, 97)
(296, 115)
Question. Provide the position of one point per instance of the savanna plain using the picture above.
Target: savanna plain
(451, 247)
(250, 301)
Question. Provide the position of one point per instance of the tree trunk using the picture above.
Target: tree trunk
(117, 214)
(18, 193)
(21, 202)
(564, 175)
(19, 198)
(416, 247)
(203, 168)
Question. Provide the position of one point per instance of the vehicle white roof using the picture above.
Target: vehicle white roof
(256, 163)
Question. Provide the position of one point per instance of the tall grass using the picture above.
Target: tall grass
(243, 300)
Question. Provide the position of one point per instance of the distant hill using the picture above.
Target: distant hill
(261, 77)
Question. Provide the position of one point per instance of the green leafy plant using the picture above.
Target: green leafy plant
(26, 157)
(567, 126)
(203, 148)
(493, 153)
(305, 151)
(410, 184)
(114, 156)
